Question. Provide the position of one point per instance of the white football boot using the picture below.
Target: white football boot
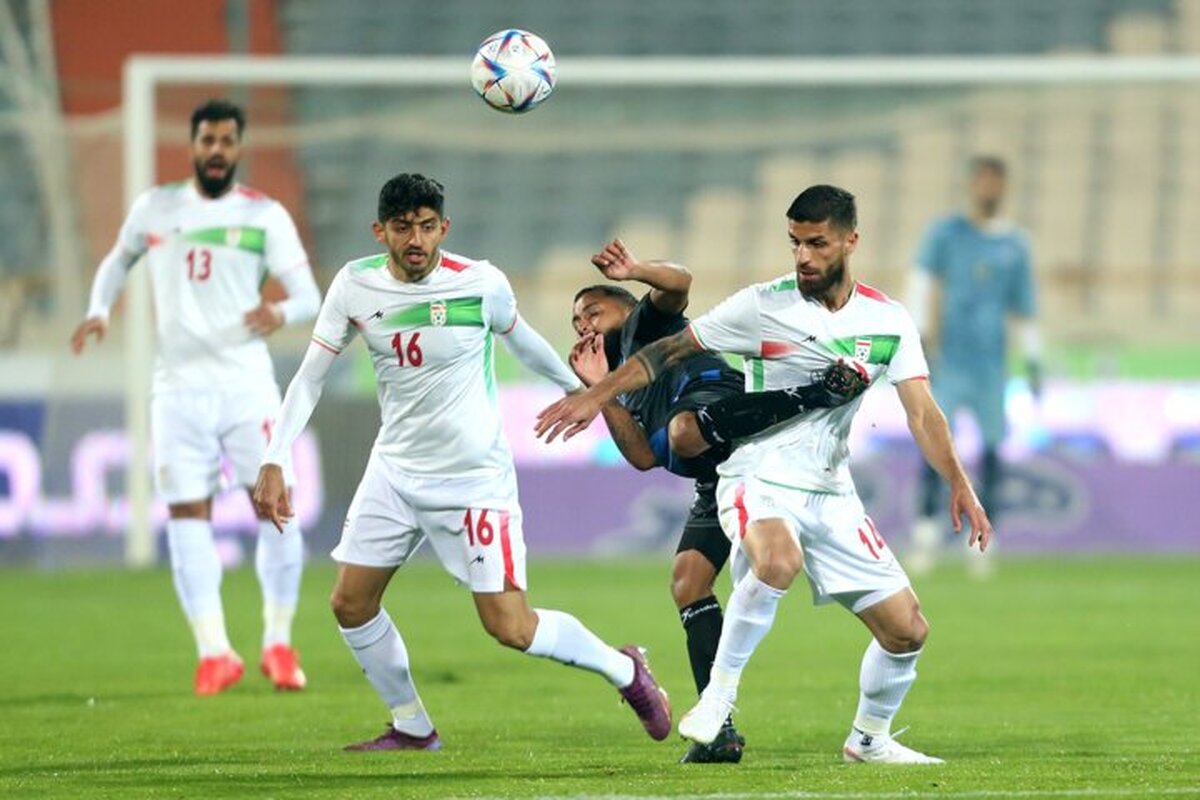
(704, 721)
(867, 748)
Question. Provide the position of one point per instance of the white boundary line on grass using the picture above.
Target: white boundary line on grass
(905, 795)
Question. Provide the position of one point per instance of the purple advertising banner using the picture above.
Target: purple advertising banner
(1048, 504)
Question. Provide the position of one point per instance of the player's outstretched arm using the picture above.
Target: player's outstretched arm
(106, 287)
(669, 283)
(532, 350)
(588, 361)
(932, 434)
(573, 414)
(270, 490)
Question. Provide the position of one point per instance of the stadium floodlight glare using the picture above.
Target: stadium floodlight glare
(144, 74)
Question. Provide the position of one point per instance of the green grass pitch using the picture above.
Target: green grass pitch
(1058, 678)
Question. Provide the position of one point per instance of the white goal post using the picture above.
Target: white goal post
(144, 74)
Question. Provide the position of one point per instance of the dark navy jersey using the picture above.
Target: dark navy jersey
(694, 382)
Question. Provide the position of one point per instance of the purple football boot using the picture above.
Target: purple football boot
(392, 739)
(648, 699)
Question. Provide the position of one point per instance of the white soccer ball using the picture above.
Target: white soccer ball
(513, 71)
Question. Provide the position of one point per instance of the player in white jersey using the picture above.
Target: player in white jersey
(440, 469)
(785, 496)
(209, 244)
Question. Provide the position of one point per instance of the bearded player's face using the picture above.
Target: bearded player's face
(820, 252)
(413, 239)
(216, 149)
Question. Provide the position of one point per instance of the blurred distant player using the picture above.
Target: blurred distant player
(440, 468)
(786, 496)
(210, 243)
(685, 421)
(979, 266)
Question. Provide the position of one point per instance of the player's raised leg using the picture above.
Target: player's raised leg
(889, 668)
(380, 651)
(775, 559)
(561, 637)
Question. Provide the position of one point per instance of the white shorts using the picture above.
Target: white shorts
(845, 558)
(193, 428)
(474, 524)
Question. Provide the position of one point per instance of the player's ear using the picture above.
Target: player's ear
(851, 242)
(377, 229)
(445, 225)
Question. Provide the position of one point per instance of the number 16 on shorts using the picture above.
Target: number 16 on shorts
(490, 542)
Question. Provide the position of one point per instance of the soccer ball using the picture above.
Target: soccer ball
(513, 71)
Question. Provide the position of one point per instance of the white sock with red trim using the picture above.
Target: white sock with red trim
(561, 637)
(196, 570)
(883, 680)
(381, 653)
(749, 614)
(279, 560)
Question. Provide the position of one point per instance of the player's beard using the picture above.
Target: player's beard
(213, 187)
(834, 275)
(413, 271)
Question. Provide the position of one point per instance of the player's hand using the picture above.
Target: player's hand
(97, 326)
(265, 319)
(616, 262)
(588, 359)
(964, 503)
(271, 500)
(568, 416)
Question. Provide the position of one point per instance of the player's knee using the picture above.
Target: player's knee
(691, 579)
(514, 632)
(683, 435)
(909, 638)
(352, 611)
(780, 565)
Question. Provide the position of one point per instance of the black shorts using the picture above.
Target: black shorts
(702, 531)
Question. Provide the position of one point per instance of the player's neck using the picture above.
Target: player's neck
(835, 297)
(404, 276)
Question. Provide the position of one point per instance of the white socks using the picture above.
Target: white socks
(883, 680)
(380, 652)
(196, 569)
(278, 560)
(561, 637)
(749, 614)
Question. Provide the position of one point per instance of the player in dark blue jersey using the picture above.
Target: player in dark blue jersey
(686, 421)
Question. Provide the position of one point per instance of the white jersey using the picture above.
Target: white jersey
(786, 338)
(431, 343)
(208, 259)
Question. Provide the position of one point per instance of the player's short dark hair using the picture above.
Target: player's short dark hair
(618, 293)
(216, 110)
(823, 202)
(407, 192)
(986, 163)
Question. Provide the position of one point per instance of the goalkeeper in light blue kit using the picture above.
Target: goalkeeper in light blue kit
(979, 267)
